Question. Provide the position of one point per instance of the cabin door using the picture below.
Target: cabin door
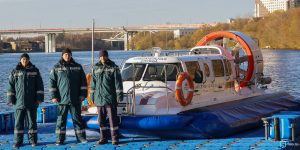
(219, 73)
(196, 73)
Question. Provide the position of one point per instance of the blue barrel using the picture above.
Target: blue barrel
(286, 119)
(50, 113)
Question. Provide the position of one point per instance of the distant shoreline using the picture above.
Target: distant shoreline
(38, 51)
(80, 50)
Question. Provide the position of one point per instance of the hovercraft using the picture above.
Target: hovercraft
(216, 89)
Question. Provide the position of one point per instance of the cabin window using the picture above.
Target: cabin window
(194, 71)
(206, 70)
(227, 67)
(218, 68)
(156, 72)
(131, 72)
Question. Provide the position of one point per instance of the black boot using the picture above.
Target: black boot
(101, 142)
(17, 145)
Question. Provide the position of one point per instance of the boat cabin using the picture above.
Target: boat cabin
(152, 79)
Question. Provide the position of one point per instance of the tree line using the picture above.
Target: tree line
(278, 30)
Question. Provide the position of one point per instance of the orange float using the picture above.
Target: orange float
(179, 94)
(243, 42)
(88, 79)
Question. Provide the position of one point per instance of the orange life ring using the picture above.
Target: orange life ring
(179, 94)
(88, 79)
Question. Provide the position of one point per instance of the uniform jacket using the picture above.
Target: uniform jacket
(106, 84)
(68, 82)
(25, 87)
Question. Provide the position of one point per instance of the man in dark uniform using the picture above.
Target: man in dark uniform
(68, 88)
(25, 92)
(106, 91)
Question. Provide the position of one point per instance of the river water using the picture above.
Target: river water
(283, 66)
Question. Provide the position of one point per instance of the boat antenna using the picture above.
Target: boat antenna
(93, 32)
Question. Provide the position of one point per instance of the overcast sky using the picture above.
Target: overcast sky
(20, 14)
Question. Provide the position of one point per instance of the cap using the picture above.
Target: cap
(103, 53)
(24, 55)
(67, 50)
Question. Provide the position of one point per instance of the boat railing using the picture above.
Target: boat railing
(156, 87)
(128, 106)
(166, 53)
(124, 106)
(206, 51)
(156, 48)
(178, 53)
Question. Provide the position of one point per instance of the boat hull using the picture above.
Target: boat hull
(207, 122)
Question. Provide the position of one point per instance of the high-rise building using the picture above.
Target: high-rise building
(264, 7)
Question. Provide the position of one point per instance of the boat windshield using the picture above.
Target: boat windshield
(132, 71)
(154, 72)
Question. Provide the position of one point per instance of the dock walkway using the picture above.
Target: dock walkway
(251, 140)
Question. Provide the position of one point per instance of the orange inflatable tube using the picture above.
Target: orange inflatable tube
(88, 79)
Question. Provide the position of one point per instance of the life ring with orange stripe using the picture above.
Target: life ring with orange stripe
(88, 79)
(179, 94)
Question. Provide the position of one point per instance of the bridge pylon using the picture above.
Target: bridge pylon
(50, 45)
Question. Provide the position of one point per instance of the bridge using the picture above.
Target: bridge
(124, 33)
